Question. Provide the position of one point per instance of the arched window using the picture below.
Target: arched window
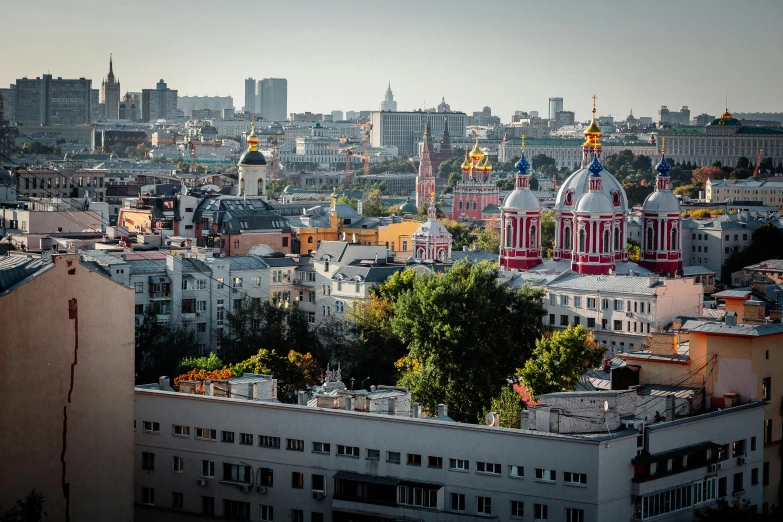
(420, 253)
(509, 235)
(567, 238)
(674, 245)
(606, 241)
(649, 238)
(616, 239)
(309, 239)
(582, 240)
(532, 237)
(475, 205)
(442, 254)
(460, 204)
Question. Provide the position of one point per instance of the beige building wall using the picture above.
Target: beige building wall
(41, 368)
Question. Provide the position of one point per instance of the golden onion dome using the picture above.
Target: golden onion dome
(476, 153)
(466, 163)
(593, 129)
(487, 166)
(725, 114)
(252, 139)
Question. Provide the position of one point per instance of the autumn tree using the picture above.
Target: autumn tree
(508, 405)
(548, 232)
(633, 252)
(294, 371)
(466, 334)
(559, 360)
(488, 238)
(702, 174)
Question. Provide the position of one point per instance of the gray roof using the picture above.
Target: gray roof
(769, 264)
(609, 283)
(157, 266)
(250, 262)
(333, 249)
(745, 330)
(368, 274)
(737, 292)
(15, 269)
(688, 271)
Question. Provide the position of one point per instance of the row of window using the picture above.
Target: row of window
(616, 304)
(617, 325)
(483, 506)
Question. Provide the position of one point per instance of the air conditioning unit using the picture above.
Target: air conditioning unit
(261, 489)
(740, 460)
(202, 482)
(628, 314)
(712, 467)
(319, 495)
(245, 489)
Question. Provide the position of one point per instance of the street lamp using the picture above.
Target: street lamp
(365, 380)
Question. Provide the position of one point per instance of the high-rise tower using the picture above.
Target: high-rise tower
(388, 104)
(110, 94)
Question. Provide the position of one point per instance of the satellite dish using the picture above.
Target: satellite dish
(492, 419)
(606, 405)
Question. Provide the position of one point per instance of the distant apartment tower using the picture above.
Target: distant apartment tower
(563, 118)
(555, 106)
(130, 107)
(388, 104)
(683, 117)
(95, 105)
(159, 103)
(110, 94)
(52, 101)
(9, 103)
(404, 129)
(250, 95)
(337, 116)
(272, 98)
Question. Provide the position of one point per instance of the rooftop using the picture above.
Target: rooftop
(15, 269)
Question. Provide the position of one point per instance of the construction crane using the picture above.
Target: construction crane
(275, 142)
(758, 163)
(367, 126)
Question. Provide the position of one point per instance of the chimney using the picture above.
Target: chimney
(359, 206)
(731, 318)
(416, 410)
(163, 383)
(207, 388)
(523, 420)
(392, 405)
(300, 398)
(372, 388)
(464, 248)
(607, 365)
(443, 410)
(670, 408)
(753, 312)
(349, 403)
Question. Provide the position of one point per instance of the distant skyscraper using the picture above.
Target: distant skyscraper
(52, 101)
(159, 103)
(443, 106)
(110, 94)
(272, 98)
(352, 115)
(95, 96)
(250, 95)
(388, 104)
(337, 115)
(555, 106)
(9, 101)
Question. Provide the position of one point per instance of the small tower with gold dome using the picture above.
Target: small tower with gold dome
(252, 168)
(476, 197)
(592, 144)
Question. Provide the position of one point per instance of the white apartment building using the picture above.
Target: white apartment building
(735, 190)
(243, 455)
(620, 310)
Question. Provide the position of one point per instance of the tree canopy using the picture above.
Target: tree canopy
(160, 346)
(453, 320)
(508, 405)
(766, 243)
(559, 360)
(29, 509)
(736, 511)
(548, 232)
(374, 206)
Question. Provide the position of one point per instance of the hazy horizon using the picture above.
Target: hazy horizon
(509, 55)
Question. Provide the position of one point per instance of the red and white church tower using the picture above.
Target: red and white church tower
(432, 241)
(520, 223)
(661, 249)
(425, 180)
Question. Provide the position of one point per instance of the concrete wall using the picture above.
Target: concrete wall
(37, 356)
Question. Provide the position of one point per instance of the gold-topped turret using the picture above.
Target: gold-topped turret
(466, 163)
(593, 131)
(252, 139)
(476, 154)
(522, 148)
(487, 167)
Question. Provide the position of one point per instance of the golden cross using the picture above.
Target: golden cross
(594, 98)
(663, 144)
(523, 143)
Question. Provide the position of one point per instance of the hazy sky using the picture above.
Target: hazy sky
(340, 55)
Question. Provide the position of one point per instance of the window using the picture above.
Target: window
(227, 436)
(765, 474)
(723, 486)
(236, 510)
(148, 496)
(207, 469)
(413, 459)
(220, 283)
(457, 502)
(297, 515)
(546, 475)
(488, 467)
(579, 479)
(147, 461)
(618, 325)
(540, 512)
(484, 505)
(563, 300)
(180, 431)
(604, 304)
(738, 484)
(237, 473)
(753, 444)
(618, 305)
(434, 462)
(582, 240)
(139, 287)
(322, 447)
(178, 464)
(563, 320)
(591, 302)
(373, 454)
(237, 282)
(294, 445)
(767, 431)
(150, 427)
(267, 513)
(574, 515)
(591, 322)
(577, 301)
(738, 448)
(459, 465)
(269, 442)
(393, 457)
(318, 483)
(139, 309)
(208, 505)
(206, 434)
(754, 476)
(246, 439)
(348, 451)
(552, 299)
(552, 319)
(297, 480)
(516, 471)
(177, 500)
(517, 509)
(766, 391)
(577, 320)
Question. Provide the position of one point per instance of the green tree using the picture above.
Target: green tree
(460, 234)
(559, 360)
(374, 206)
(351, 202)
(691, 191)
(423, 213)
(740, 173)
(633, 251)
(29, 509)
(488, 237)
(766, 243)
(209, 363)
(454, 178)
(548, 232)
(466, 336)
(294, 371)
(504, 184)
(508, 405)
(540, 161)
(743, 163)
(160, 346)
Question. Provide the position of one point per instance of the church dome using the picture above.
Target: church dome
(409, 207)
(476, 153)
(432, 229)
(521, 199)
(594, 203)
(577, 184)
(252, 157)
(662, 201)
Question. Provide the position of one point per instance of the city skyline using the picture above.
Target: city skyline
(644, 55)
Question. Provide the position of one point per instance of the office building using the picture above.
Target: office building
(555, 106)
(159, 103)
(130, 107)
(250, 95)
(563, 118)
(96, 107)
(110, 94)
(388, 104)
(404, 129)
(214, 104)
(68, 358)
(9, 103)
(683, 117)
(272, 99)
(337, 116)
(52, 101)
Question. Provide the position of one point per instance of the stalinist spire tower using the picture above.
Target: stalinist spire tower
(110, 94)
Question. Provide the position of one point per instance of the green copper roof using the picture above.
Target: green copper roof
(684, 130)
(760, 130)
